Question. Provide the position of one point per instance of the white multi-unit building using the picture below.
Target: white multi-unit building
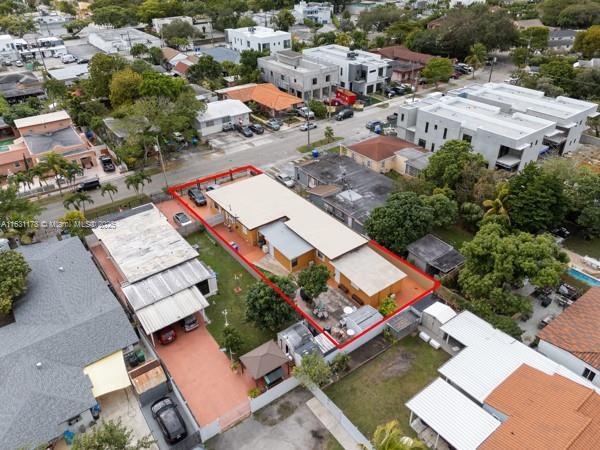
(317, 12)
(568, 114)
(508, 141)
(120, 40)
(454, 3)
(299, 75)
(258, 38)
(359, 71)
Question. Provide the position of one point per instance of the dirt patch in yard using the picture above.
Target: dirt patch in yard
(282, 409)
(398, 366)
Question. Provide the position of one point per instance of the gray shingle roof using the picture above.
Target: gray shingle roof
(66, 320)
(41, 143)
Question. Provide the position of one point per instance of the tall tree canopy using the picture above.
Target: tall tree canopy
(13, 278)
(266, 308)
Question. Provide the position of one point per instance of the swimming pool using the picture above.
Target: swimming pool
(588, 279)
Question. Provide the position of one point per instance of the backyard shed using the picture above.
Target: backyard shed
(362, 318)
(403, 323)
(266, 364)
(436, 315)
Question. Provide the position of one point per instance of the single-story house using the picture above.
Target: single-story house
(203, 94)
(266, 95)
(412, 161)
(267, 364)
(406, 65)
(222, 54)
(18, 86)
(378, 153)
(434, 256)
(219, 113)
(63, 352)
(573, 338)
(70, 74)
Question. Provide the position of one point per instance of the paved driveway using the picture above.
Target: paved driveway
(287, 424)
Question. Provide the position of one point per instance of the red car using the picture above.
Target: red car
(166, 335)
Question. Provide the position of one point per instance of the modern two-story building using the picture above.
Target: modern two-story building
(258, 38)
(319, 13)
(299, 75)
(359, 71)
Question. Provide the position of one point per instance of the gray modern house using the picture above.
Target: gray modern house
(67, 320)
(299, 75)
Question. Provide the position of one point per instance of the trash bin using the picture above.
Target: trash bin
(315, 153)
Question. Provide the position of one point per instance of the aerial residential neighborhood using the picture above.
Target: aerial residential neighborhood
(292, 225)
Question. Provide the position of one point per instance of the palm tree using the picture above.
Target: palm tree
(56, 164)
(17, 179)
(477, 56)
(77, 200)
(496, 206)
(110, 189)
(329, 135)
(389, 437)
(137, 181)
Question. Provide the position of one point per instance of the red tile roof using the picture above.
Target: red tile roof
(577, 329)
(266, 94)
(544, 412)
(401, 53)
(381, 147)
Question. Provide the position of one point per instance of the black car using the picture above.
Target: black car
(196, 196)
(83, 61)
(244, 129)
(257, 128)
(107, 163)
(344, 114)
(88, 185)
(169, 419)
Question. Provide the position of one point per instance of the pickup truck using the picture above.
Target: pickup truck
(107, 163)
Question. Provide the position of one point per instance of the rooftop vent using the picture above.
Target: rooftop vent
(61, 269)
(351, 55)
(38, 365)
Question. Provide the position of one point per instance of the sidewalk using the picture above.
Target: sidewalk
(332, 425)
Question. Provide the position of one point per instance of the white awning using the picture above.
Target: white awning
(458, 420)
(108, 374)
(508, 161)
(171, 309)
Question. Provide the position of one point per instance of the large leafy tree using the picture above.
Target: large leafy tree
(389, 437)
(314, 370)
(536, 200)
(496, 258)
(445, 210)
(114, 16)
(438, 69)
(13, 278)
(403, 218)
(157, 85)
(101, 68)
(178, 29)
(380, 17)
(17, 25)
(477, 56)
(124, 87)
(152, 9)
(284, 19)
(535, 38)
(110, 435)
(264, 306)
(207, 68)
(313, 279)
(588, 42)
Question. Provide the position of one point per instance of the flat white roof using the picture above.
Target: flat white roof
(442, 312)
(41, 119)
(260, 32)
(69, 72)
(144, 243)
(368, 270)
(490, 357)
(259, 200)
(223, 108)
(458, 420)
(336, 53)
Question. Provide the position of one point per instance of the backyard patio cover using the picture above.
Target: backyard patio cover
(264, 359)
(108, 374)
(285, 240)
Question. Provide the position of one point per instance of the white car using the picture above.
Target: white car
(308, 126)
(67, 59)
(285, 179)
(182, 219)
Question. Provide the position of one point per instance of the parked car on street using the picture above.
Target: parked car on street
(344, 114)
(372, 124)
(107, 163)
(256, 128)
(305, 112)
(166, 335)
(273, 124)
(169, 419)
(196, 196)
(182, 219)
(82, 61)
(244, 129)
(88, 185)
(7, 63)
(285, 179)
(189, 323)
(19, 63)
(308, 126)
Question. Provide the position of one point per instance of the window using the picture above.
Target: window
(266, 46)
(432, 147)
(435, 127)
(248, 44)
(17, 164)
(342, 84)
(402, 117)
(294, 262)
(589, 374)
(382, 164)
(287, 43)
(209, 123)
(341, 71)
(271, 73)
(467, 138)
(262, 70)
(327, 78)
(282, 77)
(422, 143)
(426, 127)
(204, 287)
(314, 81)
(320, 255)
(380, 72)
(368, 163)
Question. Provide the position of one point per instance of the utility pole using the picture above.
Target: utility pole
(492, 69)
(308, 128)
(162, 162)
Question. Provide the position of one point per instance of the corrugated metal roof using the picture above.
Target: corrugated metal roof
(165, 284)
(459, 421)
(362, 318)
(440, 311)
(171, 309)
(285, 240)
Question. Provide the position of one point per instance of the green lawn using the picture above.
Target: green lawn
(454, 235)
(375, 393)
(589, 247)
(227, 269)
(319, 143)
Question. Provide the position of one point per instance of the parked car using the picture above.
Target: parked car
(344, 114)
(7, 63)
(372, 124)
(68, 59)
(88, 185)
(83, 61)
(305, 112)
(190, 323)
(273, 124)
(167, 335)
(196, 196)
(169, 420)
(545, 300)
(107, 163)
(562, 232)
(285, 179)
(545, 321)
(244, 129)
(178, 137)
(19, 63)
(256, 128)
(228, 127)
(308, 126)
(182, 219)
(393, 118)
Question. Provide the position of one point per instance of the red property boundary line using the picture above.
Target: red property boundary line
(229, 173)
